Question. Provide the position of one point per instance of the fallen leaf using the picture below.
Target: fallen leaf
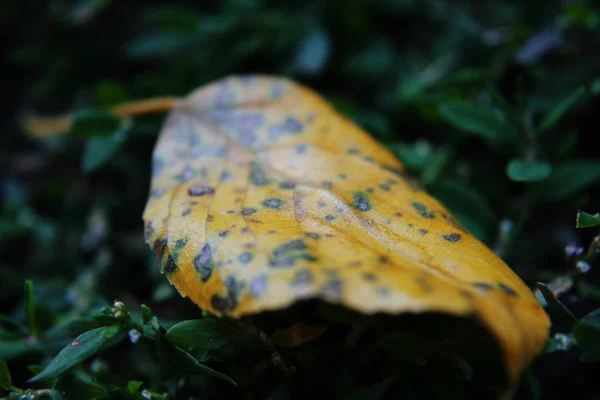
(262, 195)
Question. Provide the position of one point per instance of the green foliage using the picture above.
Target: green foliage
(475, 98)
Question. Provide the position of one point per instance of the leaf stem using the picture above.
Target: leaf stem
(44, 127)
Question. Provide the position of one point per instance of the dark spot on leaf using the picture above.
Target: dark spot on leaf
(170, 265)
(258, 285)
(284, 262)
(210, 218)
(356, 263)
(327, 184)
(245, 230)
(203, 262)
(329, 217)
(321, 204)
(158, 192)
(383, 291)
(158, 249)
(224, 304)
(342, 176)
(361, 202)
(385, 186)
(257, 175)
(423, 231)
(185, 175)
(509, 291)
(352, 150)
(301, 148)
(200, 190)
(398, 214)
(370, 190)
(313, 235)
(419, 206)
(424, 284)
(245, 257)
(332, 289)
(223, 233)
(290, 246)
(369, 276)
(249, 211)
(452, 238)
(272, 202)
(287, 185)
(482, 285)
(186, 212)
(303, 277)
(226, 175)
(292, 125)
(383, 259)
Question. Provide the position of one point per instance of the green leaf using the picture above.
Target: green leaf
(528, 171)
(414, 155)
(146, 314)
(587, 334)
(435, 166)
(570, 178)
(133, 387)
(11, 349)
(109, 93)
(83, 347)
(560, 110)
(205, 334)
(99, 150)
(5, 379)
(557, 309)
(30, 308)
(408, 346)
(183, 360)
(479, 120)
(585, 220)
(94, 123)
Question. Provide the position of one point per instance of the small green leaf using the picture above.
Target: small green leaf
(570, 178)
(479, 120)
(205, 334)
(555, 307)
(562, 108)
(133, 387)
(146, 314)
(186, 362)
(587, 334)
(94, 123)
(30, 308)
(83, 347)
(11, 349)
(528, 171)
(5, 379)
(585, 220)
(435, 166)
(109, 93)
(99, 150)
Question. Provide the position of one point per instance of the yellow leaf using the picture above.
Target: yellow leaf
(263, 195)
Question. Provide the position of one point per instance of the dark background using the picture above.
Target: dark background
(70, 220)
